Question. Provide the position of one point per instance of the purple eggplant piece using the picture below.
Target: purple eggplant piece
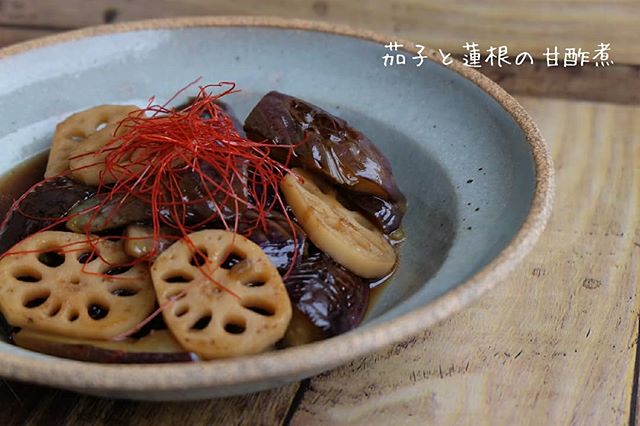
(198, 207)
(277, 240)
(385, 214)
(225, 107)
(232, 115)
(53, 199)
(324, 144)
(332, 298)
(160, 350)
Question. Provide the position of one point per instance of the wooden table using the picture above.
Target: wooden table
(555, 343)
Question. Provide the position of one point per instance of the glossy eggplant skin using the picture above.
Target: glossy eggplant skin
(52, 199)
(200, 209)
(385, 214)
(232, 115)
(228, 110)
(277, 240)
(332, 298)
(324, 144)
(328, 146)
(113, 213)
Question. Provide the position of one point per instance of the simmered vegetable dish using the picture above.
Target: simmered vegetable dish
(170, 234)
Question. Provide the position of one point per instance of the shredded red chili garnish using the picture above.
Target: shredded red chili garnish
(154, 146)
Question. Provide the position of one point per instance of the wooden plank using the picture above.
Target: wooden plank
(618, 84)
(523, 25)
(555, 343)
(28, 404)
(15, 35)
(571, 364)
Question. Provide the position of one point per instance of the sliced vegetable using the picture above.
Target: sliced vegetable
(324, 144)
(72, 133)
(277, 240)
(62, 283)
(387, 215)
(333, 299)
(43, 207)
(345, 235)
(140, 242)
(227, 298)
(87, 160)
(100, 213)
(108, 211)
(157, 347)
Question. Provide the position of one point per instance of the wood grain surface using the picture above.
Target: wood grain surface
(555, 343)
(30, 405)
(523, 25)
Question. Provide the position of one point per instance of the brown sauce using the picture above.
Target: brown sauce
(18, 180)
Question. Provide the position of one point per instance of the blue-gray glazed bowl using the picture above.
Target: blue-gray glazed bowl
(471, 162)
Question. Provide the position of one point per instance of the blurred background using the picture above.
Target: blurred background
(521, 25)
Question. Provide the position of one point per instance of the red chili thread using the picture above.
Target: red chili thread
(153, 148)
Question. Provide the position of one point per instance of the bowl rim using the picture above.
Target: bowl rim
(303, 360)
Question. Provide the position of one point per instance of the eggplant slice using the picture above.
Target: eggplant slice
(53, 199)
(276, 239)
(332, 298)
(157, 347)
(200, 210)
(328, 146)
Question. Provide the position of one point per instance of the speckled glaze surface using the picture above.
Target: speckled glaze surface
(471, 162)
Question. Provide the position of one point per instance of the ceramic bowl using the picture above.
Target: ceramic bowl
(470, 160)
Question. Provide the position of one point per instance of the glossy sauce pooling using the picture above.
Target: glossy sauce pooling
(16, 181)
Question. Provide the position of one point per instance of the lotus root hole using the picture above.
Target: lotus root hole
(36, 299)
(255, 283)
(178, 277)
(200, 257)
(27, 275)
(87, 257)
(202, 322)
(52, 259)
(97, 311)
(77, 135)
(180, 310)
(231, 260)
(260, 307)
(117, 270)
(73, 315)
(124, 292)
(235, 325)
(54, 309)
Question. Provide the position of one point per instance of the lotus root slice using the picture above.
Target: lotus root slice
(56, 282)
(73, 131)
(247, 316)
(87, 160)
